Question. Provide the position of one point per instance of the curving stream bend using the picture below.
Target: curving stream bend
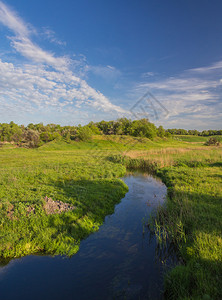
(117, 262)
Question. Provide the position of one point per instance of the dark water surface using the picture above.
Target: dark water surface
(117, 262)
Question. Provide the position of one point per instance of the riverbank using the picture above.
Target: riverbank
(192, 217)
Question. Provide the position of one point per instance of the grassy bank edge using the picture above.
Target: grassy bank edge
(196, 278)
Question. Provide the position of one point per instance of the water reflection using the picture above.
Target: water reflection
(117, 262)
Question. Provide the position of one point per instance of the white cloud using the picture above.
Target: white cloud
(37, 85)
(10, 19)
(48, 80)
(33, 52)
(212, 67)
(193, 98)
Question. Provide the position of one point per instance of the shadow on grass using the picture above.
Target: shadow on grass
(93, 201)
(96, 198)
(216, 164)
(194, 222)
(62, 233)
(198, 279)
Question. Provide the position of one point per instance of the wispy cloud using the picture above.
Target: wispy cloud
(10, 19)
(193, 98)
(51, 36)
(212, 67)
(47, 79)
(106, 72)
(147, 74)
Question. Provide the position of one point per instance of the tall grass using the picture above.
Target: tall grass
(191, 217)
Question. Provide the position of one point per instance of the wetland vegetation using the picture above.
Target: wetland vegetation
(81, 167)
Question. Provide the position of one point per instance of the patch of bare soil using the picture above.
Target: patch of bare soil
(56, 207)
(50, 207)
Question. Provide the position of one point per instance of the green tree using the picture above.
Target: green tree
(143, 128)
(161, 131)
(84, 133)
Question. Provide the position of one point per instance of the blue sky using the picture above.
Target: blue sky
(71, 62)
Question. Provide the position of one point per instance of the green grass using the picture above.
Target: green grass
(191, 218)
(194, 138)
(76, 173)
(68, 174)
(86, 176)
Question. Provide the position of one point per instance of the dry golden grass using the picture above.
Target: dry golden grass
(168, 156)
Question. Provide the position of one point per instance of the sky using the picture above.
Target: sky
(71, 62)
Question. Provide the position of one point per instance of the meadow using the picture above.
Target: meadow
(86, 175)
(69, 174)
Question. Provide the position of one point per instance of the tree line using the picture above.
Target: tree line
(35, 135)
(194, 132)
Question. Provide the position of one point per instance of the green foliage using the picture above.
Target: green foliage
(94, 128)
(10, 132)
(45, 137)
(137, 128)
(161, 131)
(143, 128)
(212, 141)
(84, 133)
(195, 132)
(178, 131)
(48, 136)
(67, 137)
(122, 127)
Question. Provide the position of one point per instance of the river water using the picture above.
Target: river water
(117, 262)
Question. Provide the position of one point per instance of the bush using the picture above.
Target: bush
(212, 141)
(30, 138)
(84, 134)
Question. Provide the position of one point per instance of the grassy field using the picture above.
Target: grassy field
(191, 218)
(86, 176)
(62, 172)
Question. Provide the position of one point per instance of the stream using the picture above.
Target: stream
(117, 262)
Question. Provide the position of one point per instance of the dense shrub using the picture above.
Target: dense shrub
(30, 138)
(84, 134)
(212, 141)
